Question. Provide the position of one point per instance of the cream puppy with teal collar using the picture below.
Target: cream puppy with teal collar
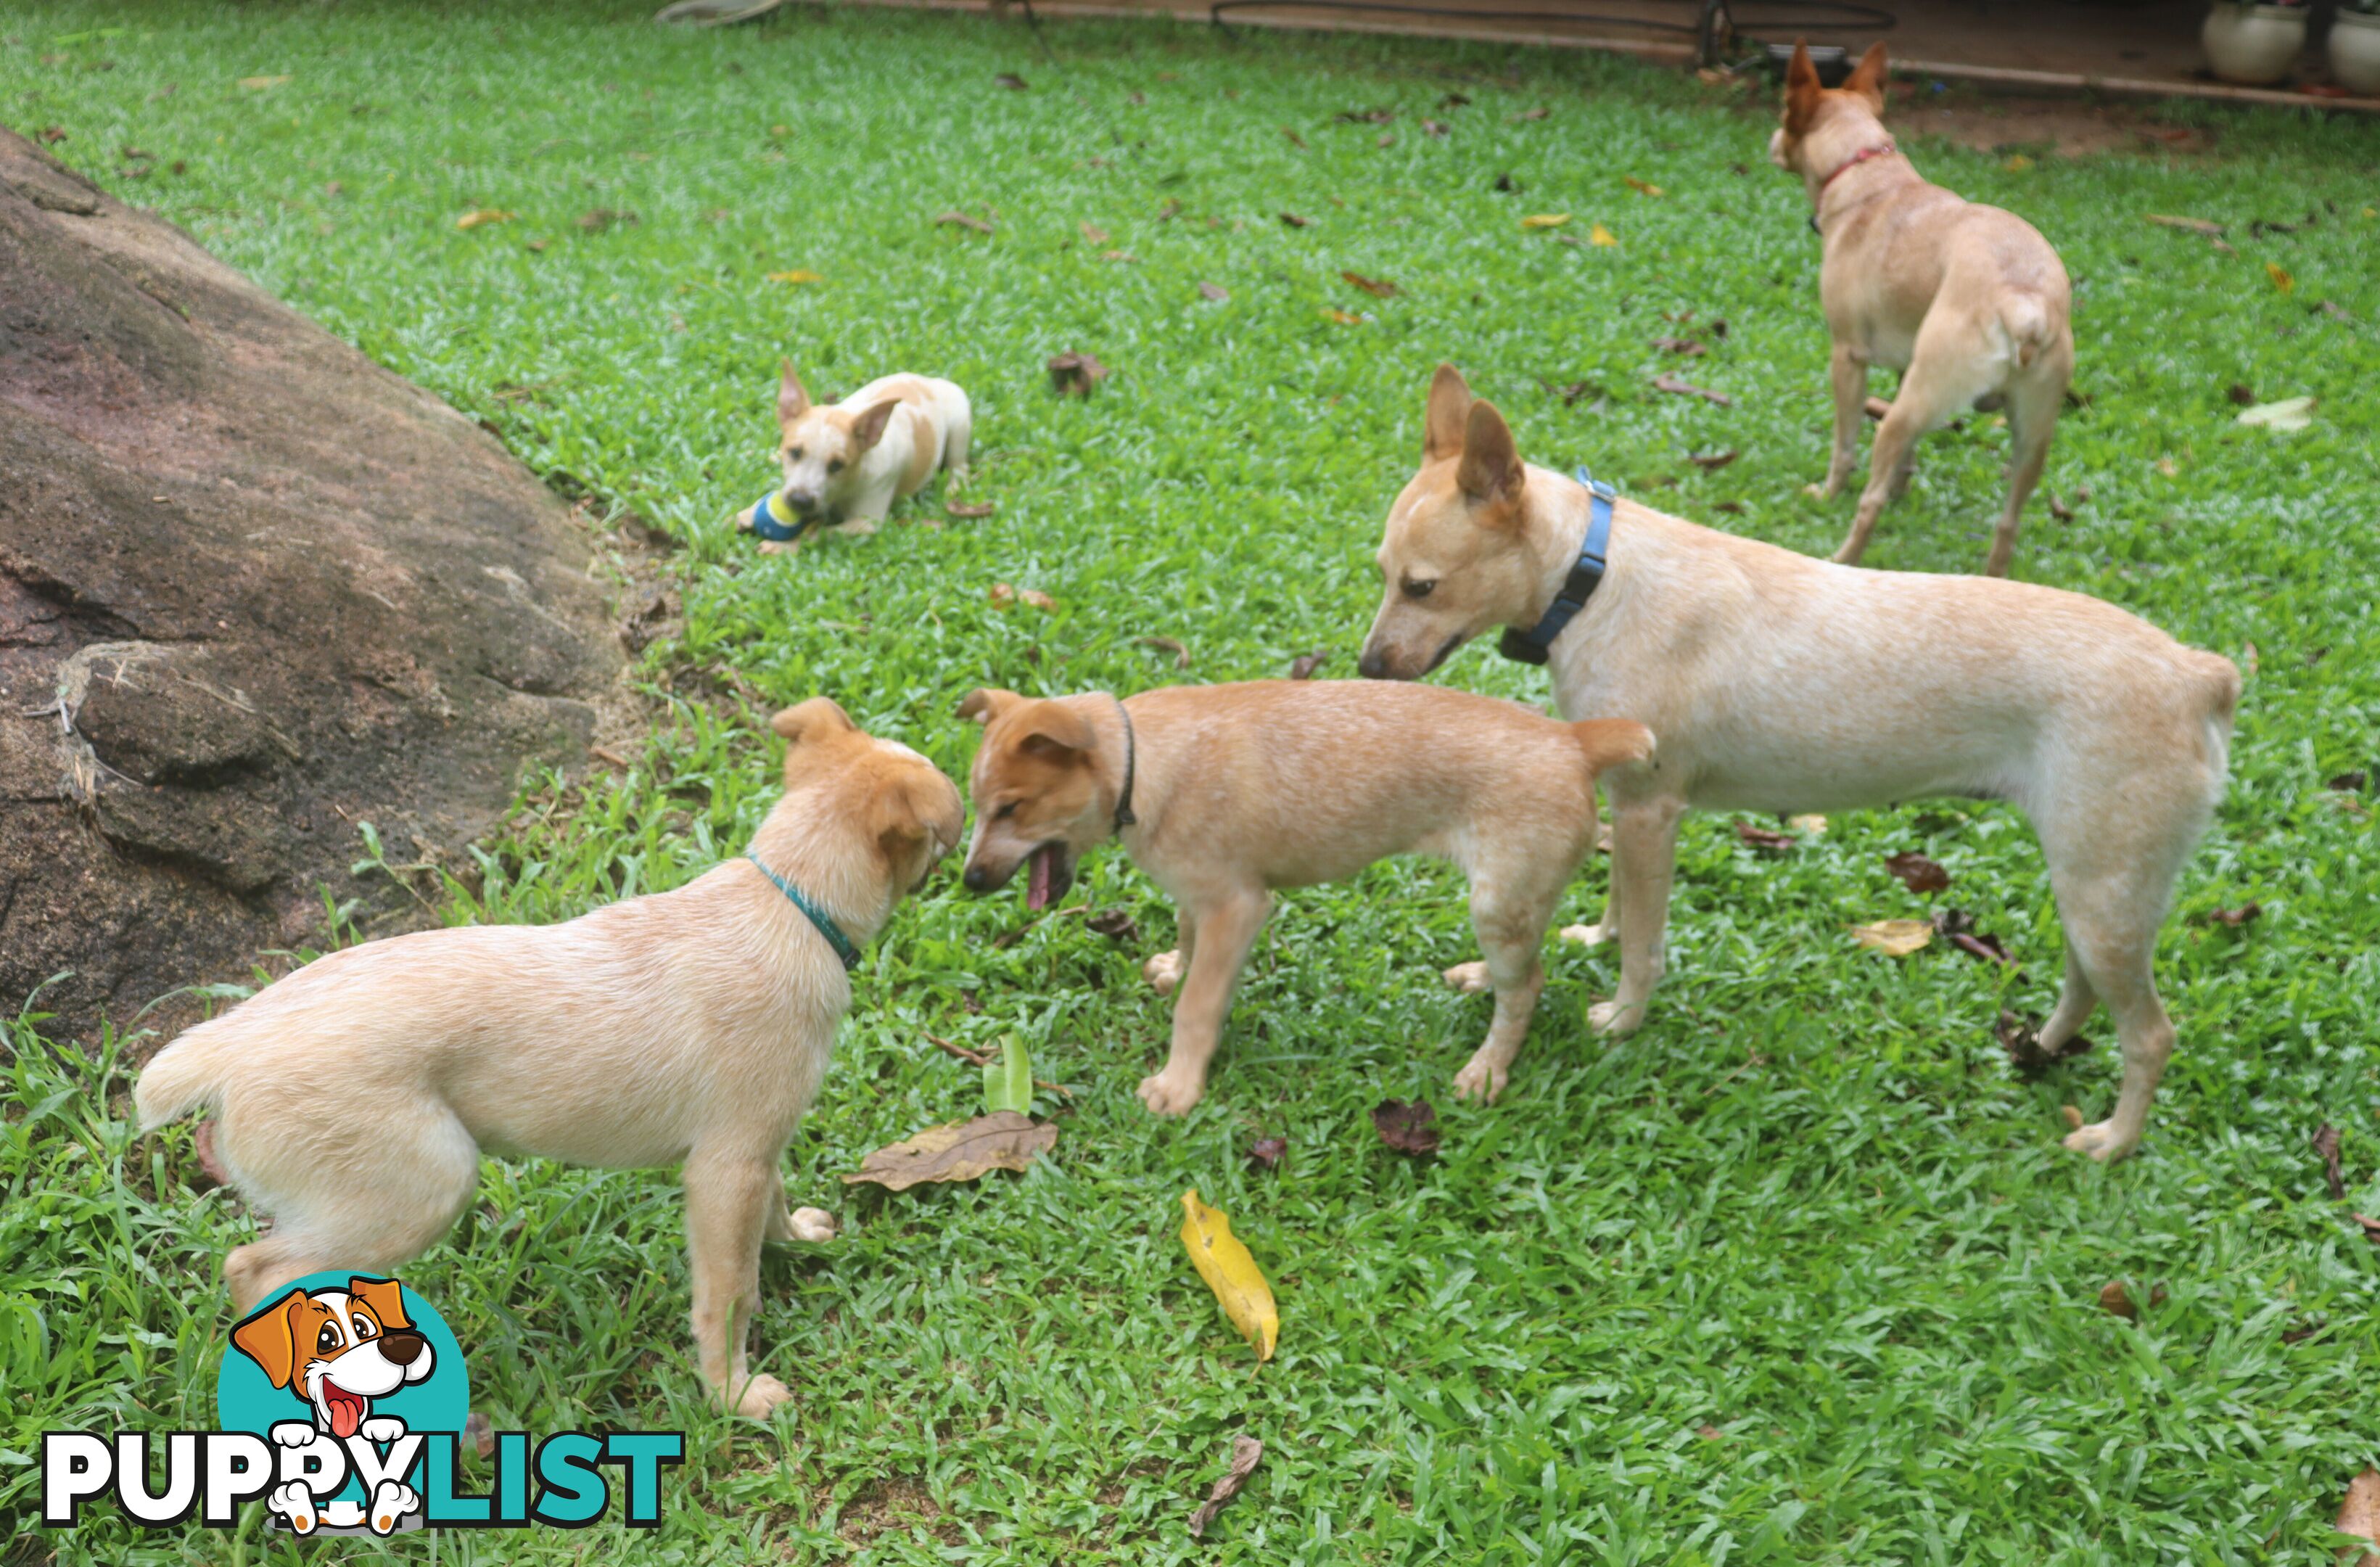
(846, 463)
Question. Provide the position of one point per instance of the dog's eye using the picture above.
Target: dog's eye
(794, 454)
(835, 467)
(1419, 590)
(363, 1328)
(328, 1339)
(1004, 812)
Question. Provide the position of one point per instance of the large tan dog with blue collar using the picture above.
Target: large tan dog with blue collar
(684, 1027)
(1778, 683)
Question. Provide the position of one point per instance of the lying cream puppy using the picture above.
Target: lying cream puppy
(689, 1027)
(1223, 792)
(845, 465)
(1968, 301)
(1778, 683)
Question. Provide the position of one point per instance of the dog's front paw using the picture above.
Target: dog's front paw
(294, 1504)
(1818, 492)
(760, 1397)
(815, 1225)
(1585, 935)
(1163, 972)
(1611, 1017)
(1469, 979)
(293, 1433)
(1480, 1079)
(777, 547)
(390, 1503)
(2100, 1141)
(858, 526)
(1165, 1094)
(382, 1429)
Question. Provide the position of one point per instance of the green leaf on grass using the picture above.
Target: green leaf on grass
(1008, 1081)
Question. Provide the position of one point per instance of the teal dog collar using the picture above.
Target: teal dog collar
(827, 928)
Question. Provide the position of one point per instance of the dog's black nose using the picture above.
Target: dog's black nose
(977, 879)
(402, 1349)
(1372, 666)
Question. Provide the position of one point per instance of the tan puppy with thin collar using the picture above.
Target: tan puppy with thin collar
(1223, 792)
(1778, 683)
(1969, 301)
(684, 1027)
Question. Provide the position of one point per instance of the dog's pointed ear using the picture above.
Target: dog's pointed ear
(1801, 90)
(385, 1297)
(986, 703)
(270, 1337)
(1490, 473)
(793, 399)
(914, 809)
(868, 427)
(811, 720)
(1057, 734)
(1868, 80)
(1450, 404)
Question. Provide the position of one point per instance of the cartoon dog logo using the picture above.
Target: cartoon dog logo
(336, 1351)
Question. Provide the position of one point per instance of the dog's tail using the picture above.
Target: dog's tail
(184, 1076)
(1613, 742)
(2025, 319)
(2220, 688)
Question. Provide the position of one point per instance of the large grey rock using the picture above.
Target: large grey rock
(254, 589)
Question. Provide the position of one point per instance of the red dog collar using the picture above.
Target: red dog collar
(1854, 161)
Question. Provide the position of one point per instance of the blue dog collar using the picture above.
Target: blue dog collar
(770, 523)
(827, 928)
(1533, 645)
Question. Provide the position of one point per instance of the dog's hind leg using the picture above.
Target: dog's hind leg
(956, 443)
(1941, 379)
(370, 1198)
(728, 1196)
(2033, 406)
(1511, 917)
(2075, 1004)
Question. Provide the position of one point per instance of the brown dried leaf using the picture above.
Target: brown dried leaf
(1076, 374)
(1406, 1128)
(1265, 1152)
(1169, 645)
(2073, 1117)
(1670, 384)
(1011, 81)
(1033, 598)
(1454, 101)
(964, 1150)
(1292, 220)
(1302, 667)
(1433, 128)
(1116, 924)
(1685, 346)
(2370, 1227)
(1711, 462)
(480, 1432)
(1214, 291)
(2348, 782)
(1642, 188)
(53, 134)
(1875, 408)
(1246, 1452)
(2059, 509)
(2117, 1300)
(1527, 114)
(1093, 233)
(1002, 595)
(1344, 318)
(2020, 1037)
(2326, 1143)
(1917, 873)
(2246, 914)
(1764, 839)
(2240, 394)
(1708, 1432)
(1294, 140)
(1989, 948)
(1364, 116)
(602, 218)
(2358, 1514)
(965, 219)
(968, 511)
(1380, 288)
(2195, 225)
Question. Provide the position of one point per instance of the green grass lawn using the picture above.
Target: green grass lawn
(1798, 1273)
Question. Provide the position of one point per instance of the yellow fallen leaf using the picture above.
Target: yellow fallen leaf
(1812, 825)
(1894, 937)
(1641, 186)
(1239, 1284)
(1344, 318)
(262, 83)
(1545, 220)
(2018, 165)
(1599, 235)
(485, 214)
(2282, 279)
(798, 275)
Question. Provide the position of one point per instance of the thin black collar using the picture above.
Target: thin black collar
(1123, 817)
(1534, 645)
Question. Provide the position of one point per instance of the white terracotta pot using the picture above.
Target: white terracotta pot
(2355, 52)
(2253, 45)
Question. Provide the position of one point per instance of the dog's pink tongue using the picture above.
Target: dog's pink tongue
(1036, 879)
(346, 1415)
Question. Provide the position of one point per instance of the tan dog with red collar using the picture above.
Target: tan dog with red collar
(1968, 301)
(336, 1351)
